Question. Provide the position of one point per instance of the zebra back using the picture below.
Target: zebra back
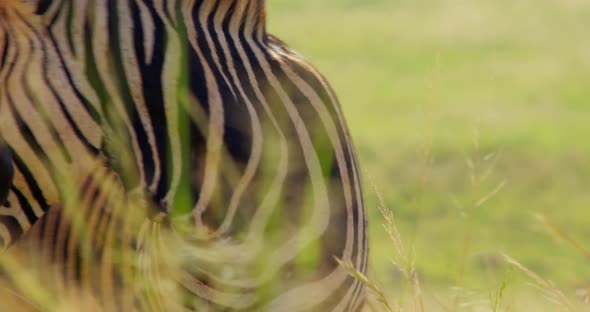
(229, 148)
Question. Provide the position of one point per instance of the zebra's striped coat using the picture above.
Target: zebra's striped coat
(226, 140)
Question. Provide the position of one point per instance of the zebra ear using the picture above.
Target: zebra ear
(6, 172)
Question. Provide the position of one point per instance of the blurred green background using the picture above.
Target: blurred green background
(450, 102)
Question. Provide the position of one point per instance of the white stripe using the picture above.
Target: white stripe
(5, 235)
(147, 24)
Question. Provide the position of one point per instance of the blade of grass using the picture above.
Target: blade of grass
(557, 231)
(500, 295)
(552, 293)
(351, 269)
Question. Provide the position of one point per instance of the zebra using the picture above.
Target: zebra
(173, 155)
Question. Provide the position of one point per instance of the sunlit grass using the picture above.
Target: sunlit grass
(545, 295)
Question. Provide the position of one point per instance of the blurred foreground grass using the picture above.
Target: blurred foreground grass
(449, 103)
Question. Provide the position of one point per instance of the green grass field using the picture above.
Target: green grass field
(468, 116)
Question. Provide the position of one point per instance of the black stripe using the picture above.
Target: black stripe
(31, 182)
(70, 27)
(25, 206)
(55, 16)
(207, 53)
(6, 172)
(215, 39)
(6, 45)
(92, 73)
(58, 226)
(153, 91)
(43, 6)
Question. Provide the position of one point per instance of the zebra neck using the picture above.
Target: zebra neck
(236, 15)
(249, 15)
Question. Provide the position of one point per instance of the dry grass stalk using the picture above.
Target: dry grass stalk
(547, 288)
